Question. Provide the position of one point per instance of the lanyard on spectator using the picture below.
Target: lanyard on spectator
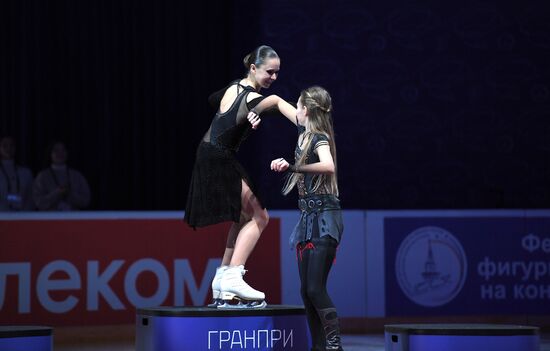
(57, 180)
(8, 178)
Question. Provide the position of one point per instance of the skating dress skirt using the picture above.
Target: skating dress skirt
(216, 182)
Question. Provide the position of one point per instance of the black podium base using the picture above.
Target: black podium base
(276, 327)
(459, 337)
(23, 338)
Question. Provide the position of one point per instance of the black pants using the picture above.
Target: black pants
(315, 258)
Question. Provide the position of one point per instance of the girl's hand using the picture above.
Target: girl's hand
(254, 119)
(279, 165)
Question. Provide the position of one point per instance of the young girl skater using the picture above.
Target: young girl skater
(318, 233)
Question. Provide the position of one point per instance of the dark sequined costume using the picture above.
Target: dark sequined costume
(320, 210)
(216, 183)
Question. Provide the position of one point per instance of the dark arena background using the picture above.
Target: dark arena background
(441, 109)
(436, 105)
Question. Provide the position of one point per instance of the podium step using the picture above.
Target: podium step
(276, 327)
(24, 338)
(459, 337)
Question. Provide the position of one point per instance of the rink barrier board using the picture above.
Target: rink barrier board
(458, 337)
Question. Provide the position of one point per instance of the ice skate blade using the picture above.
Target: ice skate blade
(242, 305)
(216, 303)
(228, 296)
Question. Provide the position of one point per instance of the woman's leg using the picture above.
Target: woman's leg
(232, 285)
(250, 232)
(227, 256)
(228, 253)
(231, 239)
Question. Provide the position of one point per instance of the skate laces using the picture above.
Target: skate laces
(238, 272)
(237, 278)
(240, 269)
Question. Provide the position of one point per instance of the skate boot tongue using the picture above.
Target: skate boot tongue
(240, 268)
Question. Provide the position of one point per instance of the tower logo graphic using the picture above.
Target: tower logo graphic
(430, 266)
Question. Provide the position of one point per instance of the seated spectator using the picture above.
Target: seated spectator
(59, 187)
(15, 180)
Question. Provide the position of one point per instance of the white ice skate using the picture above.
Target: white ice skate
(216, 291)
(235, 289)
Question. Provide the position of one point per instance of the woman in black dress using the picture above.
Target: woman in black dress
(220, 188)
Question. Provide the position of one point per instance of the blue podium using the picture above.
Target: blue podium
(276, 327)
(24, 338)
(460, 337)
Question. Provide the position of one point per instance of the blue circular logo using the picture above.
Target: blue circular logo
(430, 266)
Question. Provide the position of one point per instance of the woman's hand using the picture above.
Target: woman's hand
(279, 165)
(254, 119)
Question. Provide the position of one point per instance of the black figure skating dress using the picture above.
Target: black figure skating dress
(216, 182)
